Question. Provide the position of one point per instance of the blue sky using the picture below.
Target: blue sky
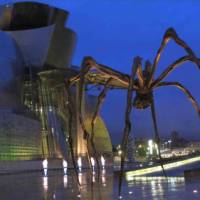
(115, 31)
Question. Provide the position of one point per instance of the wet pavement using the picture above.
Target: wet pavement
(56, 186)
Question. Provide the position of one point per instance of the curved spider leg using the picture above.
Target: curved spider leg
(86, 135)
(101, 98)
(127, 127)
(169, 34)
(139, 73)
(157, 135)
(173, 66)
(89, 63)
(70, 139)
(185, 91)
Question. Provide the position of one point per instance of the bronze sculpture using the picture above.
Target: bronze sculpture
(141, 81)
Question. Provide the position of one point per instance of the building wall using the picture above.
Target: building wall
(19, 137)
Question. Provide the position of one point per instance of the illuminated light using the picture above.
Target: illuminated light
(195, 191)
(103, 172)
(65, 181)
(45, 166)
(103, 162)
(167, 166)
(130, 192)
(150, 144)
(120, 152)
(79, 163)
(93, 179)
(79, 196)
(41, 110)
(103, 179)
(156, 147)
(50, 109)
(80, 178)
(120, 197)
(92, 163)
(45, 183)
(141, 165)
(65, 167)
(54, 196)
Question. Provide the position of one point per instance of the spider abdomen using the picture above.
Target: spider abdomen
(142, 100)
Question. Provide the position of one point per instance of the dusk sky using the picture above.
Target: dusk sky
(115, 31)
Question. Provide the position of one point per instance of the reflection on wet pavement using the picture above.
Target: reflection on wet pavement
(57, 186)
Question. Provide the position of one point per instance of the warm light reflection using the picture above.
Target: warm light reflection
(93, 178)
(65, 181)
(150, 170)
(156, 178)
(79, 163)
(92, 163)
(45, 183)
(45, 166)
(65, 167)
(103, 162)
(80, 178)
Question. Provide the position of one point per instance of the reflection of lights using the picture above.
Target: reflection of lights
(195, 191)
(150, 144)
(92, 163)
(45, 166)
(103, 162)
(103, 172)
(65, 181)
(120, 197)
(80, 178)
(50, 109)
(156, 178)
(103, 179)
(93, 179)
(65, 167)
(120, 152)
(130, 192)
(172, 165)
(156, 147)
(79, 163)
(45, 172)
(45, 183)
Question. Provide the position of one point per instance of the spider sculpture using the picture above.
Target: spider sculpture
(141, 81)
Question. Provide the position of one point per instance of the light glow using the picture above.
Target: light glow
(103, 162)
(65, 167)
(79, 163)
(45, 166)
(172, 165)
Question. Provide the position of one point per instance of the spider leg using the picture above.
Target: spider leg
(169, 34)
(81, 84)
(101, 98)
(89, 63)
(185, 91)
(127, 127)
(70, 139)
(174, 65)
(140, 73)
(157, 135)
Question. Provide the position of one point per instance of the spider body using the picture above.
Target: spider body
(143, 100)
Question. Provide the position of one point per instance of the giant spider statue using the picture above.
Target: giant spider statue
(141, 81)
